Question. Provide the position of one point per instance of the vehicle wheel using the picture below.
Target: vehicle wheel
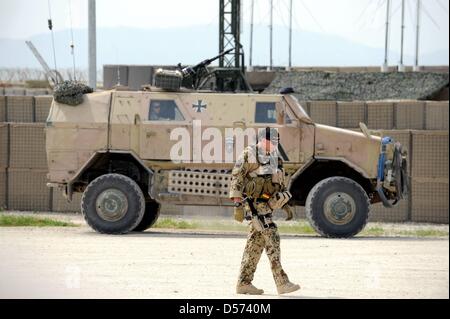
(151, 215)
(337, 207)
(113, 204)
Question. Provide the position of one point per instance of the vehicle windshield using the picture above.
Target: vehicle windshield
(297, 108)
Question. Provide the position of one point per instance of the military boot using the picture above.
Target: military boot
(287, 287)
(248, 289)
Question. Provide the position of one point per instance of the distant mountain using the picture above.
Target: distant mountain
(192, 44)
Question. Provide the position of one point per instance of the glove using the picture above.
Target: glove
(238, 212)
(279, 200)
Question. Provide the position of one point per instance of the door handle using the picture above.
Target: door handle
(150, 134)
(238, 123)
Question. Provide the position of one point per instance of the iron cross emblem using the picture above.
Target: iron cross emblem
(199, 106)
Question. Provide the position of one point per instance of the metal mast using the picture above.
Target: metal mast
(251, 36)
(401, 67)
(229, 32)
(92, 46)
(385, 67)
(416, 58)
(271, 33)
(290, 35)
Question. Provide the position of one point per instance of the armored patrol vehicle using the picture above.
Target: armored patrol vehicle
(129, 152)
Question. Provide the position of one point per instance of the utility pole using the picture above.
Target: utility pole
(290, 36)
(250, 68)
(385, 67)
(416, 58)
(92, 45)
(401, 67)
(271, 34)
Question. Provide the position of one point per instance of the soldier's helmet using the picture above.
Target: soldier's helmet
(270, 134)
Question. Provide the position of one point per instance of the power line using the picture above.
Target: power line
(430, 17)
(411, 16)
(312, 16)
(363, 11)
(379, 5)
(281, 17)
(442, 6)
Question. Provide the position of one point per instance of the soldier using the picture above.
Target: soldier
(155, 111)
(257, 188)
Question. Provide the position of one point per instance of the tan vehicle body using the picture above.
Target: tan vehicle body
(88, 140)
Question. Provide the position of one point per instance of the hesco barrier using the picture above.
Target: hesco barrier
(2, 109)
(323, 112)
(27, 146)
(410, 115)
(4, 137)
(429, 200)
(24, 109)
(386, 115)
(429, 154)
(19, 109)
(60, 203)
(350, 114)
(42, 107)
(380, 115)
(3, 187)
(436, 115)
(27, 189)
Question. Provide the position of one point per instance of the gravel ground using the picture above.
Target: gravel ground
(359, 86)
(76, 262)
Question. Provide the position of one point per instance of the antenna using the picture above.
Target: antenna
(55, 76)
(50, 26)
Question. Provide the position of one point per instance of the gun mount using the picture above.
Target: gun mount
(200, 77)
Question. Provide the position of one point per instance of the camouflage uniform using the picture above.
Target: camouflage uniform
(247, 169)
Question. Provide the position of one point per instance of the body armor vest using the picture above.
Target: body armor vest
(266, 179)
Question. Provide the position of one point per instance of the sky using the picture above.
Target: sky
(361, 21)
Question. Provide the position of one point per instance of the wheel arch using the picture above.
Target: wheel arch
(112, 161)
(319, 169)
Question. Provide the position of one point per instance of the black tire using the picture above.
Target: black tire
(113, 204)
(337, 207)
(151, 215)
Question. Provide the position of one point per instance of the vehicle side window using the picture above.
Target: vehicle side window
(265, 112)
(164, 110)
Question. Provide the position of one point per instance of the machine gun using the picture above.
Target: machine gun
(226, 79)
(194, 76)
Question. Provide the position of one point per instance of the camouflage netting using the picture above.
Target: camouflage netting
(363, 86)
(71, 92)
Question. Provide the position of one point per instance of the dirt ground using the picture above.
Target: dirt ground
(76, 262)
